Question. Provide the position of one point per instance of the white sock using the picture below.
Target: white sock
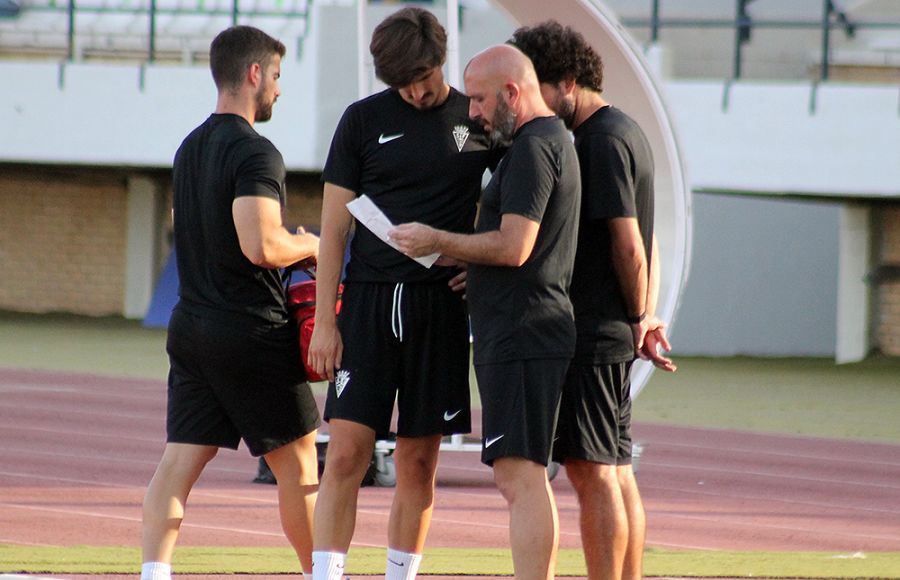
(328, 565)
(156, 571)
(307, 576)
(401, 565)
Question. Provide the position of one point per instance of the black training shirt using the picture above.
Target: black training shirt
(616, 181)
(223, 159)
(423, 166)
(524, 313)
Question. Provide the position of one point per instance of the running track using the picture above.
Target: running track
(76, 452)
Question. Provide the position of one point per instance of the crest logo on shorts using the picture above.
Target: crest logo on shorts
(340, 381)
(460, 135)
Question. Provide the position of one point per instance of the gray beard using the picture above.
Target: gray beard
(504, 122)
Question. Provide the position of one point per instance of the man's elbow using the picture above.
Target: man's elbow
(259, 256)
(514, 257)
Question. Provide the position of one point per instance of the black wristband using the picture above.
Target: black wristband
(637, 319)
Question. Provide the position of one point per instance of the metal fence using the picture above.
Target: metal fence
(140, 23)
(831, 18)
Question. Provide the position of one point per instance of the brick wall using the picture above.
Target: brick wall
(62, 241)
(887, 322)
(63, 235)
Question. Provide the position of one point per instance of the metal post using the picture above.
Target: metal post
(71, 31)
(826, 39)
(654, 22)
(151, 57)
(361, 76)
(453, 42)
(738, 42)
(234, 13)
(742, 27)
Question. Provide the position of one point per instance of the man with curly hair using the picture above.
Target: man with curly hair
(614, 289)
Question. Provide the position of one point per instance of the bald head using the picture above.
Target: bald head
(503, 89)
(501, 64)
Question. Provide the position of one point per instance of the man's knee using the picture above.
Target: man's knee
(180, 459)
(295, 462)
(516, 477)
(347, 460)
(416, 461)
(588, 477)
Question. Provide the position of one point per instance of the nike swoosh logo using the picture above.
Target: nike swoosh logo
(401, 564)
(448, 416)
(382, 139)
(492, 440)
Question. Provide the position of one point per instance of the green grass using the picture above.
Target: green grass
(797, 396)
(105, 346)
(446, 561)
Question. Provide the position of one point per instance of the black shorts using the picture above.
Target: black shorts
(229, 382)
(408, 342)
(595, 415)
(520, 403)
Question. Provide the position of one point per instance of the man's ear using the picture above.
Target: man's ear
(569, 86)
(512, 93)
(254, 74)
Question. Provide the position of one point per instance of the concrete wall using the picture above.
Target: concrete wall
(763, 278)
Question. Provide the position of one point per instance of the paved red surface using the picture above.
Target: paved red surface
(76, 452)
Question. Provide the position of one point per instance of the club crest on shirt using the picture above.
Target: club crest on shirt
(340, 381)
(460, 135)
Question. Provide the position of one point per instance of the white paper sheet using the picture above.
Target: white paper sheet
(368, 214)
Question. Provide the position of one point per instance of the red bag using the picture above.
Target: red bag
(302, 306)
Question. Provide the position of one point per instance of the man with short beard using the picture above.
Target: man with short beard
(233, 349)
(614, 290)
(520, 257)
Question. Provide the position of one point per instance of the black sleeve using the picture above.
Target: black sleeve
(607, 178)
(530, 177)
(343, 167)
(259, 171)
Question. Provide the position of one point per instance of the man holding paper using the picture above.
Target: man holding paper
(402, 333)
(522, 256)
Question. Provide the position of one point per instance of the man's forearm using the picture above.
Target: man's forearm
(653, 279)
(511, 245)
(486, 248)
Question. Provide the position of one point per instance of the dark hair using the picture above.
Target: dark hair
(560, 53)
(233, 51)
(406, 45)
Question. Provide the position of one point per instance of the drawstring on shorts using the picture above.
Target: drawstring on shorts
(396, 313)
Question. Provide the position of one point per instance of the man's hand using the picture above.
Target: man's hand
(458, 282)
(653, 341)
(325, 350)
(638, 332)
(415, 239)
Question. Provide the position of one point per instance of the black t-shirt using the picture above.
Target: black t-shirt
(616, 181)
(223, 159)
(423, 166)
(524, 313)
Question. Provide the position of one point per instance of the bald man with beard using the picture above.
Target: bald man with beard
(520, 266)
